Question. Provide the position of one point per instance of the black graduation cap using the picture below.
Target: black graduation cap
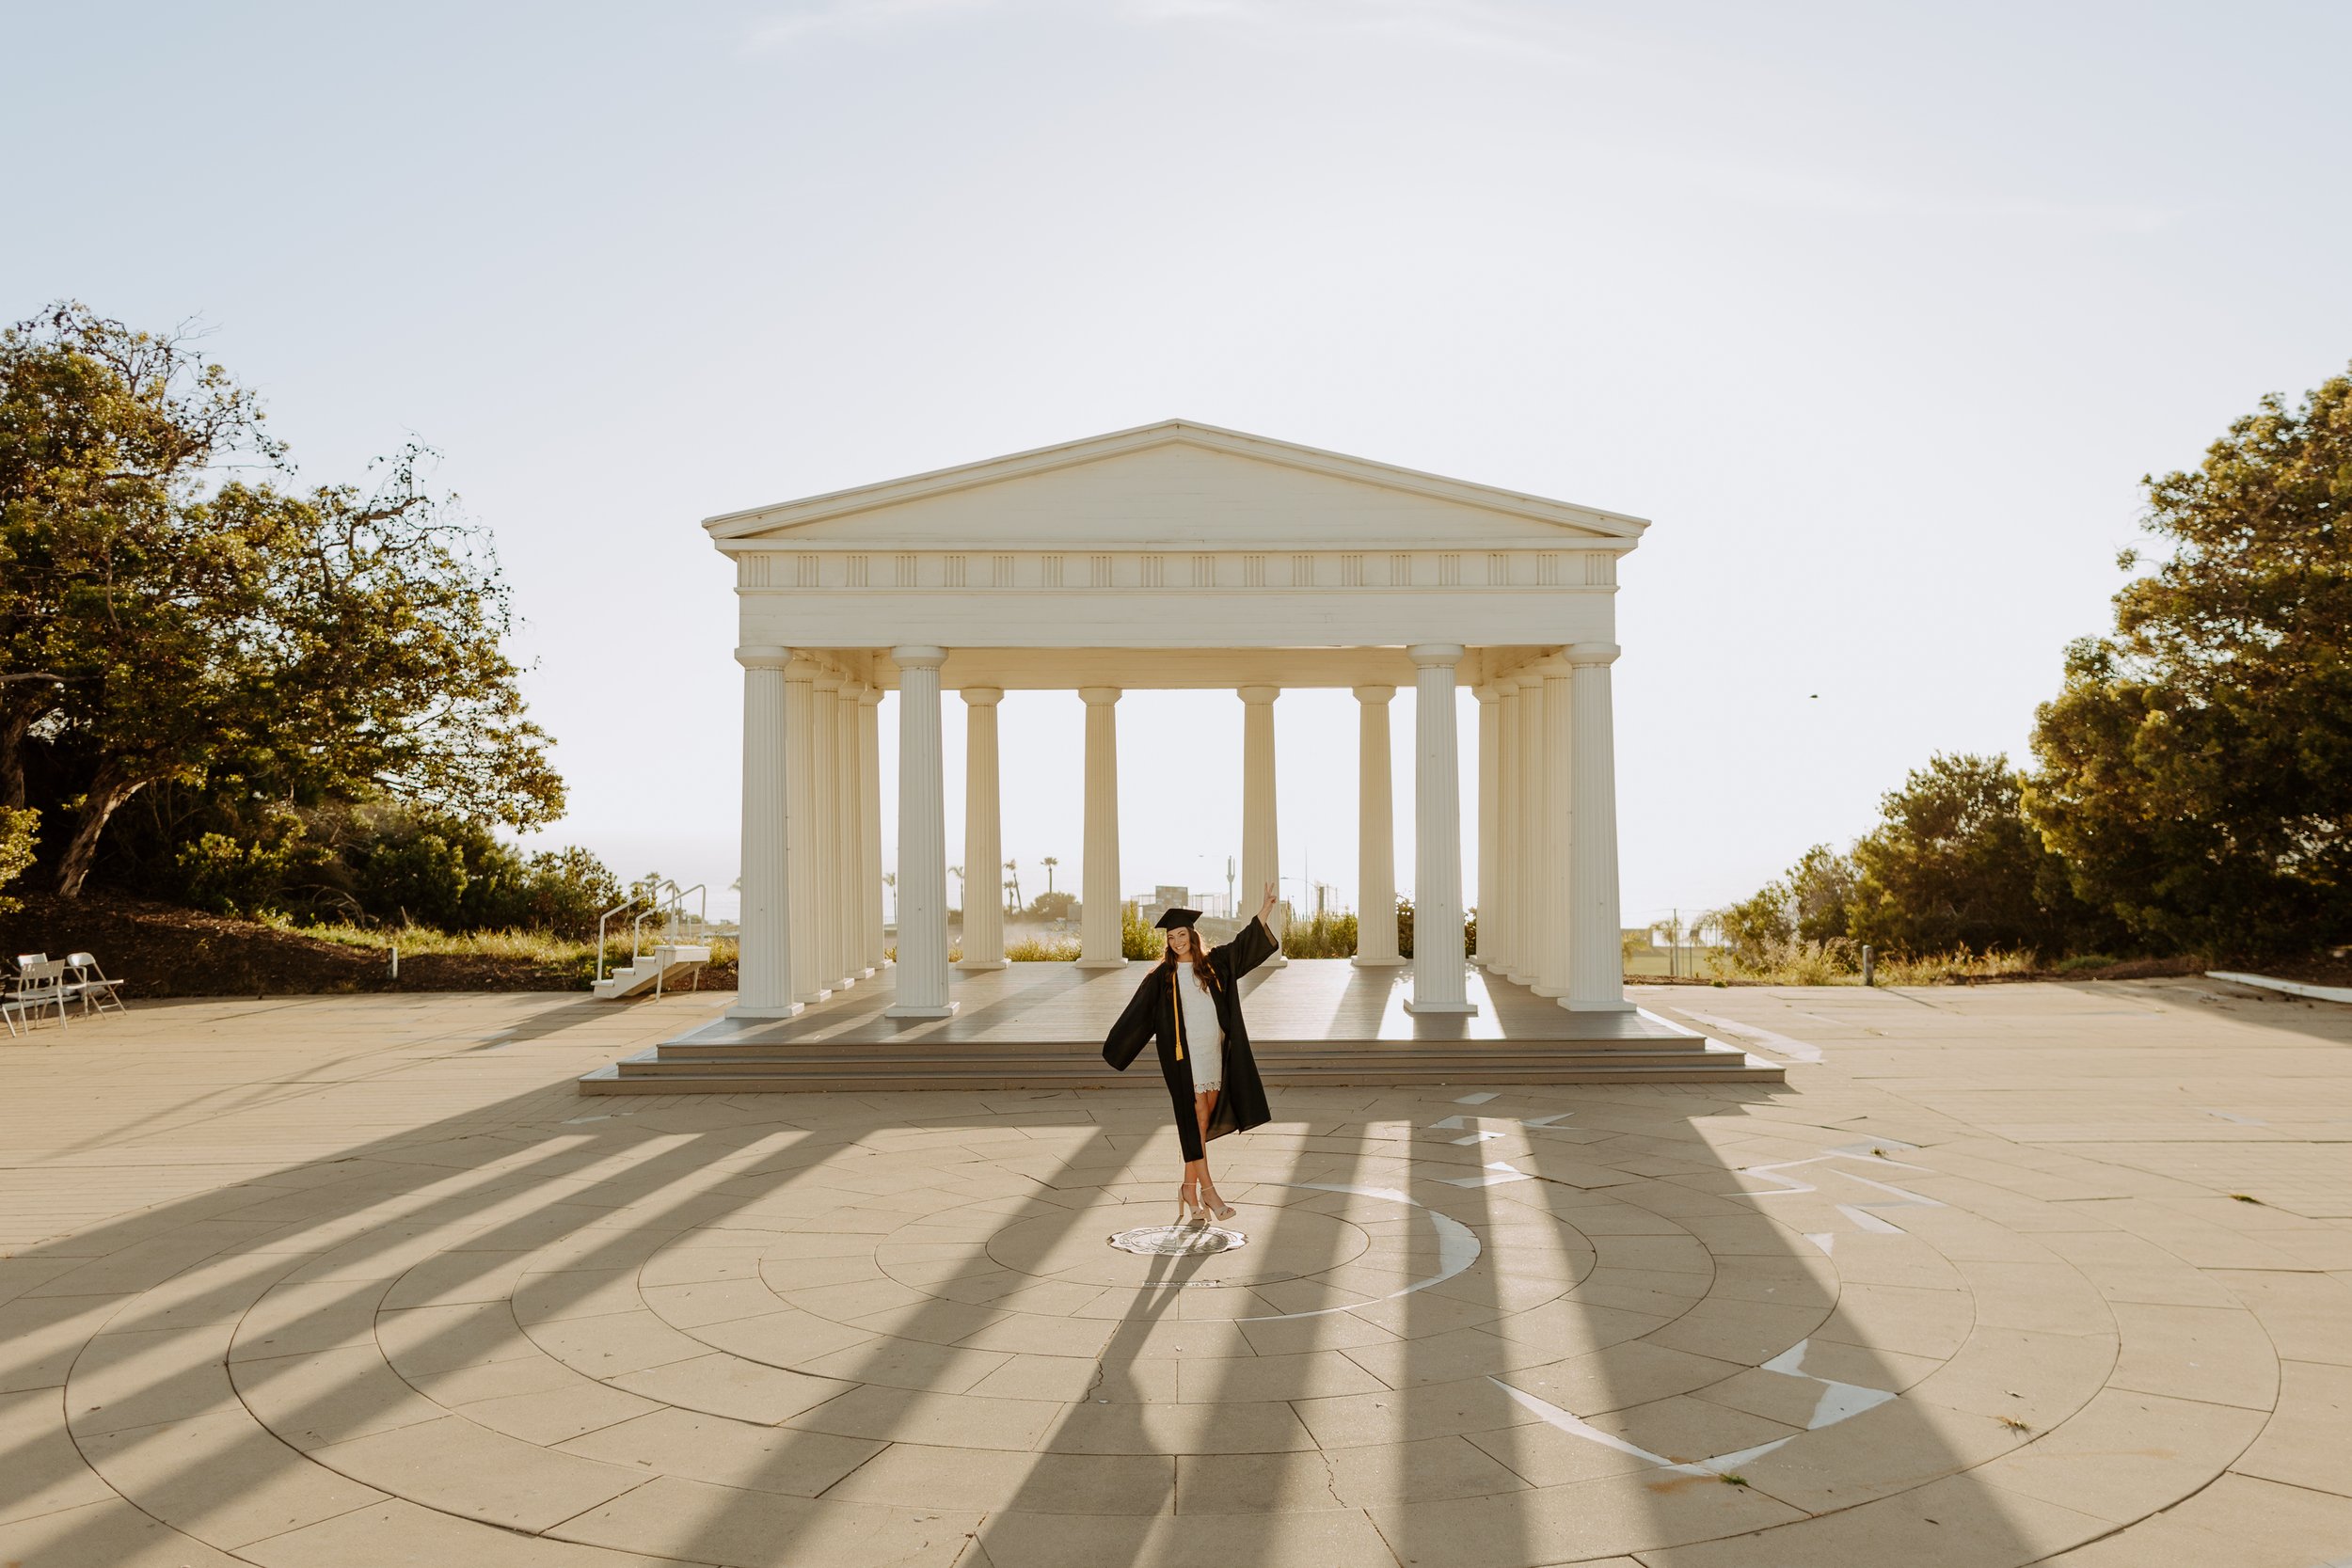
(1174, 918)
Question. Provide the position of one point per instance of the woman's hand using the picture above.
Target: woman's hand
(1265, 905)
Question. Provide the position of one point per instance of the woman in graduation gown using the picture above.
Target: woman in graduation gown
(1190, 1003)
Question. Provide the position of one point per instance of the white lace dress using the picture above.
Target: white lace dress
(1205, 1037)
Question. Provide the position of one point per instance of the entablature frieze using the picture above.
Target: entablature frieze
(1160, 571)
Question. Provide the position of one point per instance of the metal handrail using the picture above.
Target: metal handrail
(617, 908)
(670, 908)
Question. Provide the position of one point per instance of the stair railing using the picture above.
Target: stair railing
(664, 901)
(621, 908)
(669, 907)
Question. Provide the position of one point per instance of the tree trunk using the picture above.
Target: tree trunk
(14, 722)
(106, 794)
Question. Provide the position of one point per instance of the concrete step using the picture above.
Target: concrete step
(662, 1071)
(665, 966)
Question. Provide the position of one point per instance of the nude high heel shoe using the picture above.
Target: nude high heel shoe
(1213, 1203)
(1188, 1206)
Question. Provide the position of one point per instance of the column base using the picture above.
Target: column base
(1100, 964)
(973, 965)
(790, 1009)
(810, 998)
(863, 974)
(1518, 977)
(1456, 1008)
(1559, 994)
(1618, 1007)
(908, 1009)
(1360, 962)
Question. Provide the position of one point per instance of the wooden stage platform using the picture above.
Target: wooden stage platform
(1040, 1025)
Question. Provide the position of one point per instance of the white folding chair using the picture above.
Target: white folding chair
(90, 983)
(38, 986)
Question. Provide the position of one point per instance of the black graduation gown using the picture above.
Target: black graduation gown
(1154, 1014)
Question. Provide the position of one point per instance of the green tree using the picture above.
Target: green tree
(1054, 906)
(1812, 901)
(162, 621)
(1954, 863)
(2195, 767)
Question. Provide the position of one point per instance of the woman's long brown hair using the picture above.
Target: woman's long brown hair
(1201, 969)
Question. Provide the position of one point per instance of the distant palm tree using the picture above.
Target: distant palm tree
(1013, 885)
(890, 881)
(1049, 862)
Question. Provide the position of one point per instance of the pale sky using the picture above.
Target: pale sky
(1878, 313)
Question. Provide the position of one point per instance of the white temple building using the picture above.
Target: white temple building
(1175, 555)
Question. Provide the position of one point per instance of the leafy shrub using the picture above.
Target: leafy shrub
(1030, 950)
(1325, 936)
(439, 871)
(1135, 938)
(18, 834)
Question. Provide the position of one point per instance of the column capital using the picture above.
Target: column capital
(801, 668)
(1098, 695)
(870, 696)
(763, 658)
(1491, 692)
(1593, 653)
(852, 689)
(918, 658)
(1555, 668)
(1431, 655)
(1256, 693)
(1375, 694)
(983, 696)
(1528, 677)
(826, 679)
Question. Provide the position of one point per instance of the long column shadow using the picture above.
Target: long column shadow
(1710, 1390)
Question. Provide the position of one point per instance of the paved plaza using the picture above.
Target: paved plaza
(2015, 1275)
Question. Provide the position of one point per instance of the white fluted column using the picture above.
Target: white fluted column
(1596, 970)
(832, 964)
(848, 901)
(1261, 836)
(799, 821)
(1502, 952)
(867, 935)
(1489, 786)
(1440, 985)
(983, 835)
(1375, 832)
(1098, 916)
(1551, 969)
(871, 942)
(922, 990)
(1527, 950)
(763, 987)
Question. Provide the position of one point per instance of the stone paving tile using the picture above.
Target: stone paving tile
(46, 1468)
(1972, 1291)
(221, 1478)
(108, 1534)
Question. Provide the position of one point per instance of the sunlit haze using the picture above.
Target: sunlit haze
(1879, 313)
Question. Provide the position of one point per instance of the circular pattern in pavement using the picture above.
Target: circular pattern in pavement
(1176, 1240)
(708, 1336)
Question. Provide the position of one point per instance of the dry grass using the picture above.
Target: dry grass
(1944, 969)
(1839, 962)
(1030, 950)
(545, 947)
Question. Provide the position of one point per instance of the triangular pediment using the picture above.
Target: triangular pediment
(1174, 486)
